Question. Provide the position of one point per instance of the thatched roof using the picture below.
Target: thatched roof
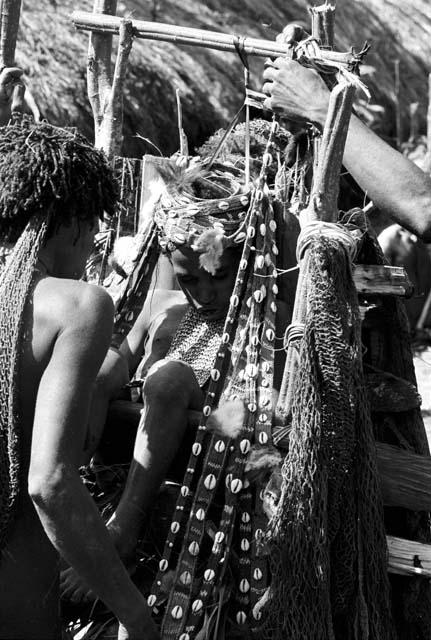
(54, 57)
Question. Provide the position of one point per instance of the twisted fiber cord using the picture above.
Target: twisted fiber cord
(327, 541)
(15, 287)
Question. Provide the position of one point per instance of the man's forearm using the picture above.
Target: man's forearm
(394, 183)
(75, 528)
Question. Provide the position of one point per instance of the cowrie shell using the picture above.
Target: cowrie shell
(244, 446)
(219, 446)
(241, 617)
(263, 438)
(193, 548)
(245, 545)
(151, 600)
(177, 612)
(244, 586)
(236, 485)
(210, 482)
(163, 565)
(196, 449)
(200, 515)
(175, 527)
(197, 606)
(215, 375)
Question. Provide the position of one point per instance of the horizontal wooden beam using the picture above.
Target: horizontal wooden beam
(382, 280)
(408, 558)
(101, 23)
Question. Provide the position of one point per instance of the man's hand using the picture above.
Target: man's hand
(10, 78)
(295, 92)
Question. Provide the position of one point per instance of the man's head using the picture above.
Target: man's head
(202, 226)
(208, 293)
(51, 174)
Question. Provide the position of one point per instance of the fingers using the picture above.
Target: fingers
(10, 74)
(291, 34)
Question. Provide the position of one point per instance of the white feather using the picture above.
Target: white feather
(228, 419)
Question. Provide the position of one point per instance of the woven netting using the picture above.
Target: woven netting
(15, 286)
(328, 547)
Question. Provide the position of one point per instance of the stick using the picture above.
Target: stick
(184, 147)
(323, 24)
(324, 195)
(322, 29)
(10, 11)
(414, 121)
(196, 37)
(397, 103)
(111, 130)
(99, 68)
(428, 168)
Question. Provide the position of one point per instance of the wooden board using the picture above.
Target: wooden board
(409, 558)
(382, 280)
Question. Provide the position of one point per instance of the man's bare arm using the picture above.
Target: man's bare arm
(67, 512)
(392, 181)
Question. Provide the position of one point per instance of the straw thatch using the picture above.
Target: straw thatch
(54, 58)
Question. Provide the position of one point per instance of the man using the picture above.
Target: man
(54, 333)
(395, 184)
(174, 342)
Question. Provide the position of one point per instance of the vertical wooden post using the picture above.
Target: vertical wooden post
(322, 29)
(105, 84)
(428, 166)
(323, 24)
(414, 122)
(10, 11)
(397, 89)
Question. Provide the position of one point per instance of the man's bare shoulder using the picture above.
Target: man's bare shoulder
(62, 302)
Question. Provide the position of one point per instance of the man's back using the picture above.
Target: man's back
(29, 563)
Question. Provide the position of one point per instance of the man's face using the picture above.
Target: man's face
(208, 294)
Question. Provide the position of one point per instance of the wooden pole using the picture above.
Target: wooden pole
(414, 121)
(322, 29)
(196, 37)
(428, 167)
(323, 24)
(10, 11)
(326, 183)
(99, 68)
(397, 88)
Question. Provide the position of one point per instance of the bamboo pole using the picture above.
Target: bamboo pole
(196, 37)
(10, 11)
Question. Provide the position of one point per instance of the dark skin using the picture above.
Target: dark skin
(67, 330)
(170, 390)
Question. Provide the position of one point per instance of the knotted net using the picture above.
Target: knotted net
(327, 540)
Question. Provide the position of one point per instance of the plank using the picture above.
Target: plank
(382, 280)
(408, 558)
